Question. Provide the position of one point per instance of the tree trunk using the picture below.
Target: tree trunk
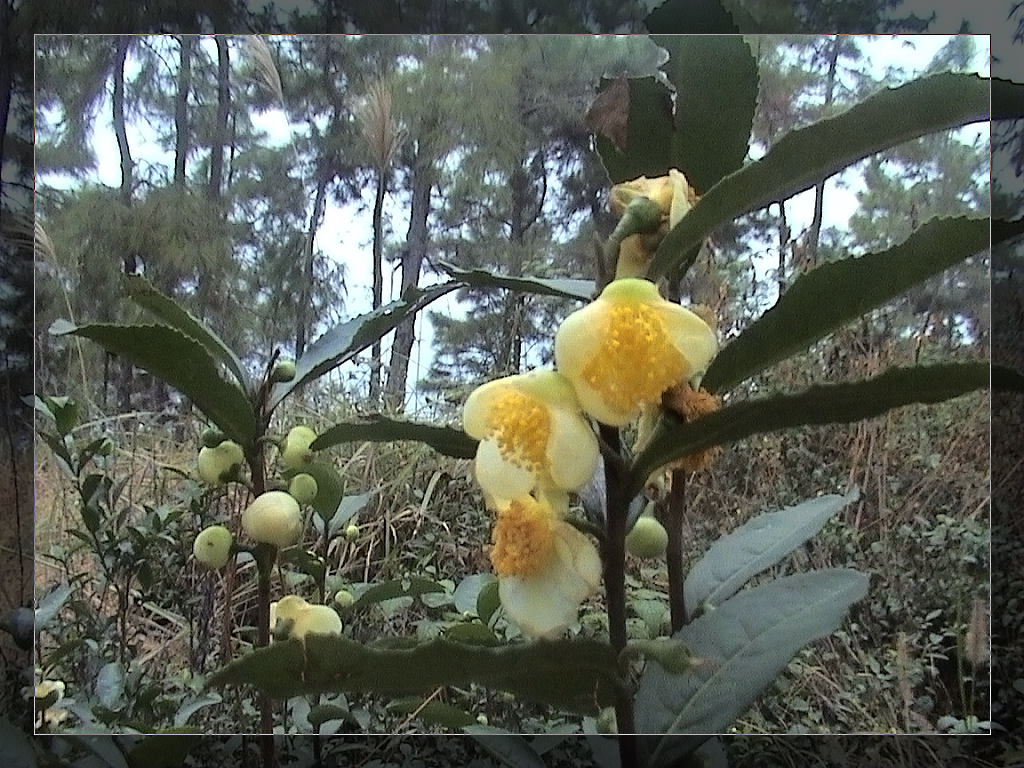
(412, 262)
(181, 130)
(220, 134)
(302, 314)
(784, 234)
(124, 380)
(378, 280)
(819, 189)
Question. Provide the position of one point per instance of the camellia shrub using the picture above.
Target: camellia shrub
(635, 402)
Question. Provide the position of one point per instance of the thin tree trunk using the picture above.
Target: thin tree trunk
(124, 383)
(6, 73)
(220, 135)
(819, 189)
(302, 314)
(181, 129)
(378, 281)
(412, 262)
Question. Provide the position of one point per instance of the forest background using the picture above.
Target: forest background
(529, 207)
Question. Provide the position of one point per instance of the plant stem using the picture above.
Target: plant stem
(614, 557)
(673, 522)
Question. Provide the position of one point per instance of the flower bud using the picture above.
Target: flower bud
(295, 453)
(212, 546)
(648, 539)
(273, 518)
(352, 532)
(344, 598)
(283, 371)
(303, 488)
(220, 463)
(316, 620)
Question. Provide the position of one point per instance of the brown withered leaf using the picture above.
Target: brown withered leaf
(609, 113)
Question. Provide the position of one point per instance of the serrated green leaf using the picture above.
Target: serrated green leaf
(389, 590)
(820, 404)
(472, 633)
(183, 363)
(805, 156)
(745, 643)
(345, 341)
(564, 287)
(143, 293)
(435, 712)
(692, 17)
(576, 675)
(164, 750)
(824, 299)
(487, 600)
(758, 544)
(649, 127)
(447, 440)
(716, 78)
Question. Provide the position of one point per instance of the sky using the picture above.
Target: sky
(346, 234)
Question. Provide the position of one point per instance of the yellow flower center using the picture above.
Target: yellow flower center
(636, 362)
(522, 538)
(521, 425)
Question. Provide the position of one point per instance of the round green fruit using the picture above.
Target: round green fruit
(295, 453)
(303, 488)
(212, 546)
(220, 463)
(648, 539)
(273, 518)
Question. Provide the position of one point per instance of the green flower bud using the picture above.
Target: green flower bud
(220, 463)
(344, 598)
(303, 488)
(212, 546)
(283, 371)
(295, 453)
(273, 518)
(648, 539)
(352, 532)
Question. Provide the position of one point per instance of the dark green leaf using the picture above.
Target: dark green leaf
(389, 590)
(690, 17)
(182, 362)
(649, 127)
(50, 605)
(163, 750)
(757, 544)
(345, 341)
(304, 561)
(321, 713)
(193, 705)
(804, 157)
(487, 601)
(143, 293)
(348, 508)
(467, 594)
(716, 78)
(577, 675)
(569, 288)
(472, 633)
(447, 440)
(110, 685)
(1007, 99)
(435, 712)
(744, 643)
(820, 404)
(830, 296)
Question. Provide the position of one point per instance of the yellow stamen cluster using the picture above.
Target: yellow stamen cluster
(522, 538)
(636, 362)
(521, 426)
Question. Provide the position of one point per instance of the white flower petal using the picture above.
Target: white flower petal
(536, 608)
(499, 477)
(572, 450)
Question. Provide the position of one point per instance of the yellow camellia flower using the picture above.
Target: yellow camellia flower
(532, 435)
(299, 618)
(295, 453)
(625, 349)
(545, 567)
(273, 518)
